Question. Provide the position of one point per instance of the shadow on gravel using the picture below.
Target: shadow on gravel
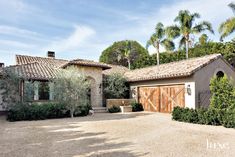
(64, 140)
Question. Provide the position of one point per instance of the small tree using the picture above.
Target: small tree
(223, 93)
(71, 89)
(10, 88)
(115, 86)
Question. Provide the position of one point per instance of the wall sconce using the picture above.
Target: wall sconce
(189, 90)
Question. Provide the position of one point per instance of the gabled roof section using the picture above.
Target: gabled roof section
(23, 59)
(84, 62)
(182, 68)
(35, 71)
(115, 69)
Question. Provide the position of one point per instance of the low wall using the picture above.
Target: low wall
(118, 102)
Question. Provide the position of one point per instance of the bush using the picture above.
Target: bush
(25, 111)
(223, 93)
(201, 114)
(114, 109)
(136, 107)
(228, 120)
(209, 116)
(115, 86)
(176, 113)
(185, 115)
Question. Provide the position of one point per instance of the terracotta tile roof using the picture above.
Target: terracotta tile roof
(115, 69)
(23, 59)
(171, 70)
(35, 70)
(84, 62)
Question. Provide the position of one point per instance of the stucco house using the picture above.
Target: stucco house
(184, 83)
(41, 70)
(159, 88)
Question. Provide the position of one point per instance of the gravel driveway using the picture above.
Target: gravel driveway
(114, 135)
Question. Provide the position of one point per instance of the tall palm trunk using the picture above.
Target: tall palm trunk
(158, 51)
(129, 63)
(187, 44)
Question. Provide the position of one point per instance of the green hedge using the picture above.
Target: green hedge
(43, 111)
(114, 109)
(136, 107)
(209, 116)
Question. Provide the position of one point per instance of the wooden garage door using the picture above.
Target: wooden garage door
(162, 98)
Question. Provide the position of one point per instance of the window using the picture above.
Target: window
(220, 74)
(43, 91)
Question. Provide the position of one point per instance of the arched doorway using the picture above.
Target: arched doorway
(92, 90)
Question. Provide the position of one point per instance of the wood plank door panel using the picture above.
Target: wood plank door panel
(149, 98)
(162, 98)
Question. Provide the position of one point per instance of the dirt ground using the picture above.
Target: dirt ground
(114, 135)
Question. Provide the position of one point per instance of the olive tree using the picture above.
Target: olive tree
(115, 86)
(71, 88)
(9, 88)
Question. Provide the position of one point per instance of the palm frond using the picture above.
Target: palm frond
(173, 32)
(182, 42)
(227, 27)
(232, 6)
(168, 44)
(204, 25)
(159, 31)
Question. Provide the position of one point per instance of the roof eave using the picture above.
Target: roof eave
(159, 78)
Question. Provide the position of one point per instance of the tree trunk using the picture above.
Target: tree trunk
(71, 113)
(158, 62)
(129, 63)
(187, 45)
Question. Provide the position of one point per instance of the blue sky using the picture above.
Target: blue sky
(83, 28)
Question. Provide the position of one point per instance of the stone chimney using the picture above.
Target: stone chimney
(1, 65)
(51, 54)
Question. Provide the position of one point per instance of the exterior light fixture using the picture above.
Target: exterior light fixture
(189, 90)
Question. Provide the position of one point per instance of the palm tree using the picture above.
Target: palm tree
(159, 38)
(126, 53)
(186, 27)
(228, 27)
(203, 39)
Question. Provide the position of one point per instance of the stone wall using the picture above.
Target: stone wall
(118, 102)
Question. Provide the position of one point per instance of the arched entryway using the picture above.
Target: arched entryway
(92, 91)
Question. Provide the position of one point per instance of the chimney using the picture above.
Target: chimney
(51, 54)
(1, 65)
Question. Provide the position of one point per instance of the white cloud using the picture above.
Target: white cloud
(73, 41)
(14, 44)
(14, 31)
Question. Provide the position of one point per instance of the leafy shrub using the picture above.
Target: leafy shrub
(136, 107)
(176, 113)
(229, 119)
(223, 93)
(185, 115)
(115, 86)
(212, 117)
(114, 109)
(45, 111)
(201, 114)
(209, 116)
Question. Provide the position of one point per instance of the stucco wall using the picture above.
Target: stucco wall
(203, 76)
(94, 73)
(189, 99)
